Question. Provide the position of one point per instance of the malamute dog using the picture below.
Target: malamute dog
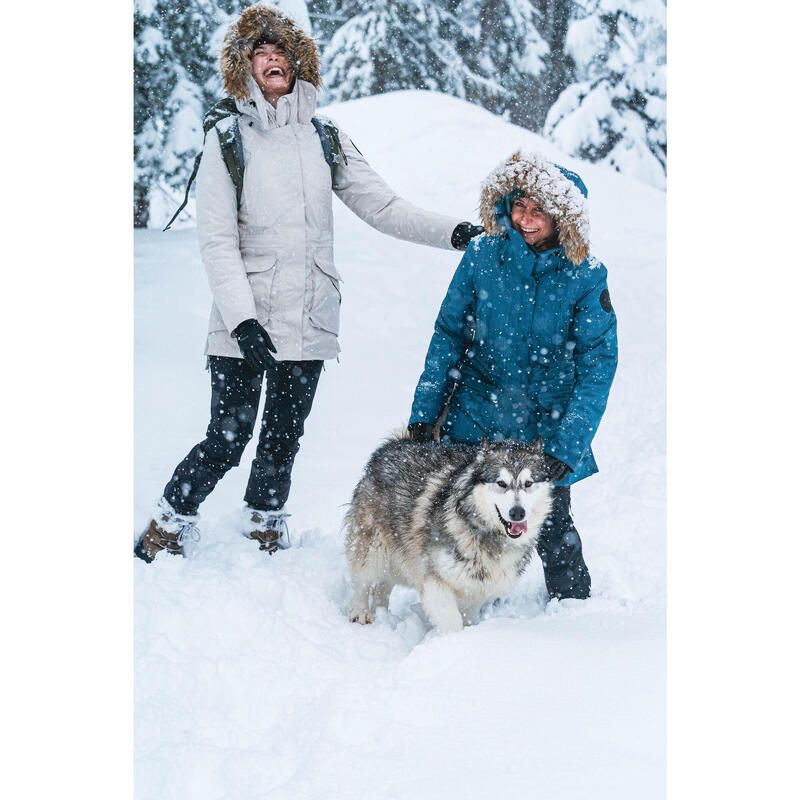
(456, 522)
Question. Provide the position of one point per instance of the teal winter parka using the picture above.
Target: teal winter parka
(525, 343)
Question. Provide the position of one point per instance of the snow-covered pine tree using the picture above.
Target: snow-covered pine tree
(616, 111)
(329, 15)
(508, 51)
(552, 19)
(401, 44)
(149, 86)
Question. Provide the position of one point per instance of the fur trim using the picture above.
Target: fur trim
(236, 63)
(541, 180)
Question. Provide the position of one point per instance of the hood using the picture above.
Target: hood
(559, 192)
(257, 21)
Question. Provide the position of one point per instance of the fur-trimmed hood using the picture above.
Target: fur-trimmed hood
(255, 22)
(559, 192)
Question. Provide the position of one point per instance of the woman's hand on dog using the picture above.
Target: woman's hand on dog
(557, 469)
(421, 431)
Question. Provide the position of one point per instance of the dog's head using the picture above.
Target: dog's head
(512, 487)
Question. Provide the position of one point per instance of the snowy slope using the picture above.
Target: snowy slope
(250, 681)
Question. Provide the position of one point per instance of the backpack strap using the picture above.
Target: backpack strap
(224, 116)
(188, 186)
(230, 143)
(222, 108)
(329, 139)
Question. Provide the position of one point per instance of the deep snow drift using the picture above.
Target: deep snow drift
(250, 681)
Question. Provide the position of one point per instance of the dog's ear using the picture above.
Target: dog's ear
(485, 443)
(538, 445)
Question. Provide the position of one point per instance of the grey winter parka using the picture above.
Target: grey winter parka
(272, 258)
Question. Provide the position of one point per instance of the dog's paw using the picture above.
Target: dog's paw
(362, 617)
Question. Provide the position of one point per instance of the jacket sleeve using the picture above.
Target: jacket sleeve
(453, 332)
(218, 234)
(594, 333)
(368, 196)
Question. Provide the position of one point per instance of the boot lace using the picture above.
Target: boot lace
(188, 530)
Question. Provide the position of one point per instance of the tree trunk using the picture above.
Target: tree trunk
(531, 110)
(560, 65)
(141, 207)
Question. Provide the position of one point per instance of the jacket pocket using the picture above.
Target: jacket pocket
(257, 261)
(261, 267)
(327, 296)
(326, 266)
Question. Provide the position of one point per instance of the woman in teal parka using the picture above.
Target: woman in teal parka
(525, 343)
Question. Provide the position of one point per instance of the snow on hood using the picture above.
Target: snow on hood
(257, 21)
(559, 192)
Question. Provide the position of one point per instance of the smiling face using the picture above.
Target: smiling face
(528, 219)
(272, 71)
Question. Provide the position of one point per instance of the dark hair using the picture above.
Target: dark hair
(268, 38)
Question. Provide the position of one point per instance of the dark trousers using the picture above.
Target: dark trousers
(235, 393)
(559, 547)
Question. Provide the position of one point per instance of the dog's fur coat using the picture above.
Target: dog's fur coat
(456, 522)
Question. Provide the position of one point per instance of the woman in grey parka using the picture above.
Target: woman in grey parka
(269, 259)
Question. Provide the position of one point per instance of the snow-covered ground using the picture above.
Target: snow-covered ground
(251, 682)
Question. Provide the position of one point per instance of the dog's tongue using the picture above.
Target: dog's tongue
(518, 528)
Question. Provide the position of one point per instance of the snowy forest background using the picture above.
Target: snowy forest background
(590, 75)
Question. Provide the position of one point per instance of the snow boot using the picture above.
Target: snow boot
(168, 531)
(268, 528)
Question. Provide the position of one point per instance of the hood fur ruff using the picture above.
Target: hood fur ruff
(541, 180)
(257, 21)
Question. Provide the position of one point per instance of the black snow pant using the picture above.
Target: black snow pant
(559, 547)
(235, 393)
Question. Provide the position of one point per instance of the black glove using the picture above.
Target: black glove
(421, 431)
(557, 470)
(463, 233)
(255, 344)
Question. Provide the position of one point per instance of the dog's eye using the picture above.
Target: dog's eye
(502, 484)
(528, 484)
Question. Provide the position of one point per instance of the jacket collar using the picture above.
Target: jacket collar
(296, 106)
(528, 262)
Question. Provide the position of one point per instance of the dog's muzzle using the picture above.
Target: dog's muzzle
(513, 529)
